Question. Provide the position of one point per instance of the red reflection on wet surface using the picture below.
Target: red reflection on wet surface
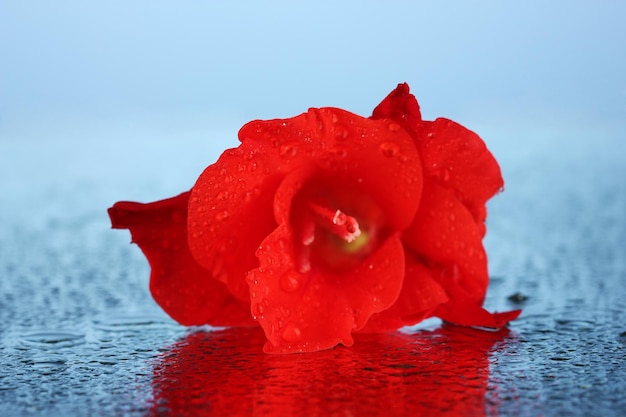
(434, 373)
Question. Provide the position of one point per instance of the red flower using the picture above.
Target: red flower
(326, 224)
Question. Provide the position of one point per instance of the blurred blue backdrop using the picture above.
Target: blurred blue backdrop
(121, 72)
(219, 63)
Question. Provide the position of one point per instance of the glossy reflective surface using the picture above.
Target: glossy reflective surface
(80, 335)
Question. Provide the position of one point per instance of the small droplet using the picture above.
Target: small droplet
(290, 281)
(341, 135)
(389, 149)
(223, 195)
(393, 127)
(259, 309)
(291, 333)
(222, 215)
(53, 339)
(338, 151)
(288, 151)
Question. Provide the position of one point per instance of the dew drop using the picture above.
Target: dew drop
(393, 127)
(290, 281)
(341, 135)
(338, 151)
(250, 194)
(197, 234)
(222, 215)
(288, 151)
(260, 309)
(389, 149)
(291, 333)
(223, 195)
(52, 339)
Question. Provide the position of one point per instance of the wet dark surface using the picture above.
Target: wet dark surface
(80, 335)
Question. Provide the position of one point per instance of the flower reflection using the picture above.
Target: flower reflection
(441, 372)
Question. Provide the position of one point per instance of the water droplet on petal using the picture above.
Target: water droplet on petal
(341, 135)
(222, 215)
(223, 195)
(338, 151)
(290, 281)
(288, 150)
(389, 149)
(259, 309)
(393, 127)
(291, 333)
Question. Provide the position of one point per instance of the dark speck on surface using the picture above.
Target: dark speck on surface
(517, 298)
(80, 334)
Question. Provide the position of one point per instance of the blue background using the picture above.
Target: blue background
(68, 66)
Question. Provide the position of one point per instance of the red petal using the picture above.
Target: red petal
(459, 160)
(400, 106)
(452, 155)
(376, 154)
(230, 210)
(462, 313)
(319, 309)
(445, 234)
(421, 295)
(230, 213)
(185, 290)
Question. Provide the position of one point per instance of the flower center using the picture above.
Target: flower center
(336, 227)
(342, 225)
